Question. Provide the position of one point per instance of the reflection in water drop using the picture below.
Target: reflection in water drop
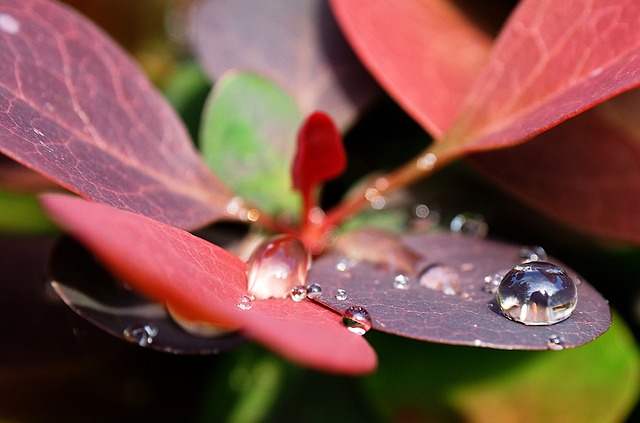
(470, 224)
(276, 266)
(245, 302)
(314, 291)
(555, 342)
(141, 334)
(537, 293)
(298, 293)
(341, 294)
(442, 278)
(357, 319)
(401, 282)
(532, 253)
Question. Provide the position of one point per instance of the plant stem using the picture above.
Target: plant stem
(423, 165)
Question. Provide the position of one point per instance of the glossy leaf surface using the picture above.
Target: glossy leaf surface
(76, 108)
(593, 161)
(297, 44)
(203, 283)
(248, 138)
(471, 317)
(550, 62)
(426, 54)
(94, 294)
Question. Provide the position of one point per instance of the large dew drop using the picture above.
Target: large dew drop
(357, 320)
(276, 266)
(537, 293)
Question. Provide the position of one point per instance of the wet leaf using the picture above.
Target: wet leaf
(248, 138)
(550, 62)
(204, 282)
(297, 44)
(426, 54)
(94, 294)
(593, 161)
(471, 317)
(442, 383)
(77, 109)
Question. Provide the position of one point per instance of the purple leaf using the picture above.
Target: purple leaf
(469, 317)
(295, 43)
(76, 108)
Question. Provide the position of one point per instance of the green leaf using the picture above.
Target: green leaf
(598, 382)
(248, 138)
(21, 213)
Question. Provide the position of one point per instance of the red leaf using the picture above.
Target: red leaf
(470, 317)
(204, 282)
(297, 44)
(552, 61)
(310, 335)
(199, 279)
(583, 173)
(426, 54)
(320, 156)
(76, 108)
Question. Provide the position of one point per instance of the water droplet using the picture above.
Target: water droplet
(9, 24)
(491, 282)
(470, 224)
(276, 266)
(245, 302)
(345, 264)
(477, 342)
(141, 334)
(427, 161)
(537, 293)
(357, 320)
(442, 278)
(555, 342)
(341, 294)
(314, 291)
(532, 253)
(38, 132)
(401, 282)
(298, 293)
(422, 211)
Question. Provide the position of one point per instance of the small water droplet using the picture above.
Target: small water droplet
(298, 293)
(38, 132)
(314, 291)
(357, 319)
(491, 282)
(245, 302)
(141, 334)
(422, 211)
(341, 294)
(427, 161)
(401, 282)
(276, 266)
(470, 224)
(537, 293)
(555, 342)
(442, 278)
(477, 342)
(533, 253)
(345, 264)
(9, 24)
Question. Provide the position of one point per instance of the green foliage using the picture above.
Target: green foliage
(248, 138)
